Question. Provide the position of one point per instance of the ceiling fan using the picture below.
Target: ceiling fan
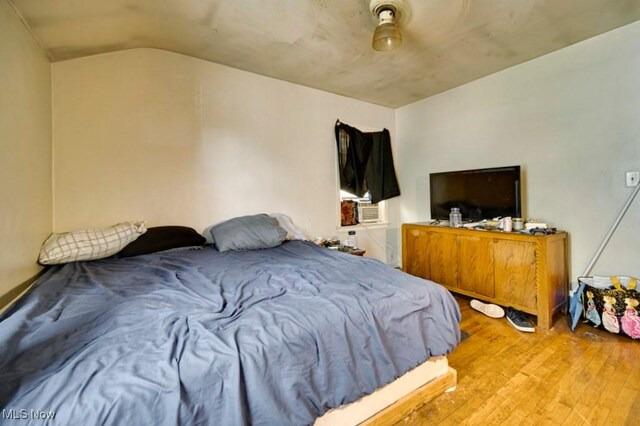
(387, 35)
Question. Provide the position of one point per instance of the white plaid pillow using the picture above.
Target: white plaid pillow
(89, 244)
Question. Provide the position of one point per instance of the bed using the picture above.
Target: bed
(275, 336)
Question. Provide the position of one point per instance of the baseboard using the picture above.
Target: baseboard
(7, 298)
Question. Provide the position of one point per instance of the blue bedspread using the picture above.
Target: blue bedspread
(276, 336)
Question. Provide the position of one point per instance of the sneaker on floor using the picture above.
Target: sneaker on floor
(490, 310)
(519, 321)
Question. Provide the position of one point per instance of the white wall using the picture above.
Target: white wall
(570, 118)
(153, 135)
(25, 143)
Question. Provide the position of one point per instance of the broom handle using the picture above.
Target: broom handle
(610, 233)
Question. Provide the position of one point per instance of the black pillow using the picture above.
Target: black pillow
(162, 238)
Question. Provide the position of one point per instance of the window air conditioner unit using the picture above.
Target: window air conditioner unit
(368, 212)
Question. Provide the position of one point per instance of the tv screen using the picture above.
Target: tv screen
(479, 194)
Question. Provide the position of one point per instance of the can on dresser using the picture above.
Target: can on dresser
(518, 224)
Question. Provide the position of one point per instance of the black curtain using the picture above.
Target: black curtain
(365, 163)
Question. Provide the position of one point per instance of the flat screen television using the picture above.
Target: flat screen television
(479, 194)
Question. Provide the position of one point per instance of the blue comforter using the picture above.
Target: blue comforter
(276, 336)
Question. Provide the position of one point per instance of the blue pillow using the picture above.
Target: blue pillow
(248, 233)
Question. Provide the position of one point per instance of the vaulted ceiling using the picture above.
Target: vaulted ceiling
(326, 44)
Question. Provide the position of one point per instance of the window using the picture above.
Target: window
(363, 156)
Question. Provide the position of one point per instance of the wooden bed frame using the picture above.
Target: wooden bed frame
(416, 399)
(396, 400)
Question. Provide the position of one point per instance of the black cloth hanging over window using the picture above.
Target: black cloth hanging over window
(365, 162)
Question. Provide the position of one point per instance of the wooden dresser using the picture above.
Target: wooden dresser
(526, 272)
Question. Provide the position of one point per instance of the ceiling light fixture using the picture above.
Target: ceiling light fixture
(386, 36)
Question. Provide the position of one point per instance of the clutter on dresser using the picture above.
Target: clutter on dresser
(534, 223)
(455, 218)
(506, 224)
(518, 224)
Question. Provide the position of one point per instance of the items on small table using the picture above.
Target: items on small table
(333, 243)
(353, 250)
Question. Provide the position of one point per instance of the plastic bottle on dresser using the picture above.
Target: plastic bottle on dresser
(455, 218)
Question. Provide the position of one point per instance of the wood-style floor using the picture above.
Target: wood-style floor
(553, 377)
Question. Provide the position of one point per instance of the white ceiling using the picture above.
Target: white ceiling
(326, 44)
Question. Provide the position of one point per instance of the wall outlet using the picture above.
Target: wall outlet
(632, 178)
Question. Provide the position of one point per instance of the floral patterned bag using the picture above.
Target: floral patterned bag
(611, 303)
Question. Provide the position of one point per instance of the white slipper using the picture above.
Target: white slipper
(489, 309)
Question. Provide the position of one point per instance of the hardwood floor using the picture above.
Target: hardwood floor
(553, 377)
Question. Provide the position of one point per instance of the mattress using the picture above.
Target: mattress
(276, 336)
